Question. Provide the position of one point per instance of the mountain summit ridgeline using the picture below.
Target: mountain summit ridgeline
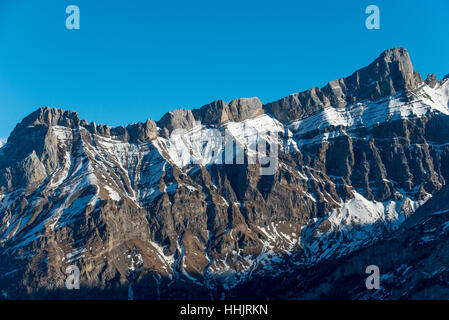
(148, 211)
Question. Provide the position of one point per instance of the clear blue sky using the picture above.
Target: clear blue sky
(133, 60)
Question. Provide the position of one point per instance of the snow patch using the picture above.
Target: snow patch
(113, 194)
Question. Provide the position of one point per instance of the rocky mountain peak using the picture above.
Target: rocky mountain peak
(214, 113)
(392, 72)
(244, 108)
(220, 111)
(30, 133)
(46, 117)
(176, 119)
(431, 80)
(51, 117)
(139, 132)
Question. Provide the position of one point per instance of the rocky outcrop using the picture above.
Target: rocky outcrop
(176, 119)
(214, 113)
(237, 110)
(389, 74)
(431, 80)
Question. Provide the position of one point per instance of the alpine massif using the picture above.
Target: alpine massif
(151, 210)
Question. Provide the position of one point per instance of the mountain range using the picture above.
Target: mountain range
(181, 209)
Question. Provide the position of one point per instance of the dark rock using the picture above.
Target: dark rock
(389, 74)
(431, 80)
(219, 112)
(176, 119)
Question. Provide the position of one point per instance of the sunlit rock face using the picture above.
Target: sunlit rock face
(152, 210)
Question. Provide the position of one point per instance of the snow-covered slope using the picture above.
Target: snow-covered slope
(423, 101)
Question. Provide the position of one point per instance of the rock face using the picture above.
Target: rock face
(361, 179)
(431, 80)
(237, 110)
(177, 119)
(214, 113)
(389, 74)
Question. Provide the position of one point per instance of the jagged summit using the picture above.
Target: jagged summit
(176, 119)
(214, 113)
(237, 110)
(390, 73)
(431, 80)
(51, 117)
(46, 117)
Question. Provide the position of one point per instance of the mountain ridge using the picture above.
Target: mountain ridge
(153, 210)
(405, 79)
